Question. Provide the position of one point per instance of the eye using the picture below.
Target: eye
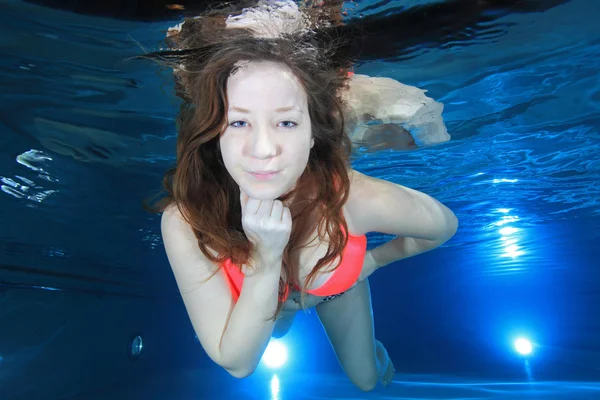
(238, 124)
(288, 124)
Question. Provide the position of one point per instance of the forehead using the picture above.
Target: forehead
(265, 82)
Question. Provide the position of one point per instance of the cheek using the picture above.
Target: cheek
(228, 152)
(298, 156)
(306, 147)
(302, 144)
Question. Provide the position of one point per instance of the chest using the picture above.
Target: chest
(308, 258)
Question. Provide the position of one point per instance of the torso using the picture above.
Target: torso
(311, 254)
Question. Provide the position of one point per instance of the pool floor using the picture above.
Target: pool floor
(213, 385)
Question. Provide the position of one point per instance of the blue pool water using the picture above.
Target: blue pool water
(86, 137)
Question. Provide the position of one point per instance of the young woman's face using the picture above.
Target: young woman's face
(268, 138)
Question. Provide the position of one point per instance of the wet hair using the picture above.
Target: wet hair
(204, 55)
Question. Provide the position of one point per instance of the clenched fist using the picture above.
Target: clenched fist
(267, 224)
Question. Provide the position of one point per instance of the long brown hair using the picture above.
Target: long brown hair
(205, 55)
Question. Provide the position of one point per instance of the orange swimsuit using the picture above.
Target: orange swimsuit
(342, 279)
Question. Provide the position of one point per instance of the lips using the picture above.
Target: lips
(264, 175)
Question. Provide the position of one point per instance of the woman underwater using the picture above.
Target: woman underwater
(263, 205)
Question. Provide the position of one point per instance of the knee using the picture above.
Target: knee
(283, 325)
(279, 332)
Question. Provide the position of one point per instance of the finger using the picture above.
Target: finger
(277, 210)
(243, 198)
(252, 205)
(265, 208)
(286, 215)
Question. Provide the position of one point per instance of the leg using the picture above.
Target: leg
(348, 322)
(283, 324)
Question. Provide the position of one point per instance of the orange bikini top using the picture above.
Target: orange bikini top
(342, 279)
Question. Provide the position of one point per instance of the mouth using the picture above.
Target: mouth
(264, 175)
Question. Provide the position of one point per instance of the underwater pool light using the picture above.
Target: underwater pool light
(275, 355)
(523, 346)
(136, 347)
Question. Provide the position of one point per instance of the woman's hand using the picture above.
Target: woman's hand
(267, 224)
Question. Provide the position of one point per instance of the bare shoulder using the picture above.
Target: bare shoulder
(361, 190)
(171, 219)
(363, 187)
(181, 245)
(176, 232)
(378, 205)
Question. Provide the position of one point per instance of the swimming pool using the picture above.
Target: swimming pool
(88, 306)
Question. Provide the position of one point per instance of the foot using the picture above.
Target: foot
(387, 367)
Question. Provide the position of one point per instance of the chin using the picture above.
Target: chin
(263, 194)
(265, 191)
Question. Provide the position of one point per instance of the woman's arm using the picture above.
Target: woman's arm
(419, 222)
(234, 335)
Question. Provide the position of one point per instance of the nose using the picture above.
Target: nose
(264, 143)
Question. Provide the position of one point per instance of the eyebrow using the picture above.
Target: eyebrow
(279, 110)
